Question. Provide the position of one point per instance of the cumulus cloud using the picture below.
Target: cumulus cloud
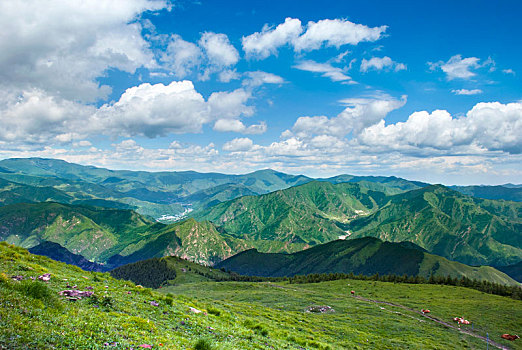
(238, 145)
(219, 51)
(378, 63)
(36, 117)
(156, 110)
(467, 92)
(457, 67)
(508, 71)
(62, 46)
(324, 33)
(265, 43)
(235, 125)
(181, 56)
(212, 54)
(336, 32)
(359, 114)
(327, 70)
(487, 127)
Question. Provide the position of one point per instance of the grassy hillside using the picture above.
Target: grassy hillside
(447, 223)
(365, 256)
(308, 213)
(281, 309)
(236, 315)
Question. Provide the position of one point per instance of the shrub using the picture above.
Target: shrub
(214, 311)
(39, 290)
(203, 344)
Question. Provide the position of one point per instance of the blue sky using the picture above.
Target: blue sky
(424, 90)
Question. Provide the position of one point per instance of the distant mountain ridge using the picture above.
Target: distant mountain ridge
(365, 256)
(59, 253)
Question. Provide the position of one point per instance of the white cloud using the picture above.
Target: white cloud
(508, 71)
(486, 127)
(336, 32)
(219, 50)
(231, 104)
(265, 43)
(467, 92)
(379, 63)
(234, 125)
(238, 145)
(457, 67)
(35, 117)
(327, 33)
(181, 56)
(228, 75)
(258, 78)
(359, 114)
(62, 46)
(327, 70)
(157, 110)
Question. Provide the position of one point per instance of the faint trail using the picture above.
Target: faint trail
(434, 319)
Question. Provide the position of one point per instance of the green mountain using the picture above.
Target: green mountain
(365, 256)
(150, 193)
(88, 231)
(59, 253)
(514, 271)
(492, 192)
(169, 270)
(311, 213)
(196, 241)
(449, 224)
(401, 185)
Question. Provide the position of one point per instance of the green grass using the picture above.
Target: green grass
(234, 315)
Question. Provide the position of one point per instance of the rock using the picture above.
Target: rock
(194, 310)
(153, 303)
(45, 277)
(320, 309)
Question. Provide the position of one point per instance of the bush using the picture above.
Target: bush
(38, 290)
(203, 344)
(214, 311)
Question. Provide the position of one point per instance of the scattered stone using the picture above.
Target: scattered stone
(73, 294)
(89, 288)
(45, 277)
(194, 310)
(17, 278)
(153, 303)
(320, 309)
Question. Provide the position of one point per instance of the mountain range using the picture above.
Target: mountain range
(95, 213)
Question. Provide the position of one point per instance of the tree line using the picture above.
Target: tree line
(514, 292)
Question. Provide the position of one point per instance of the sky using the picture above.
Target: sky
(425, 90)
